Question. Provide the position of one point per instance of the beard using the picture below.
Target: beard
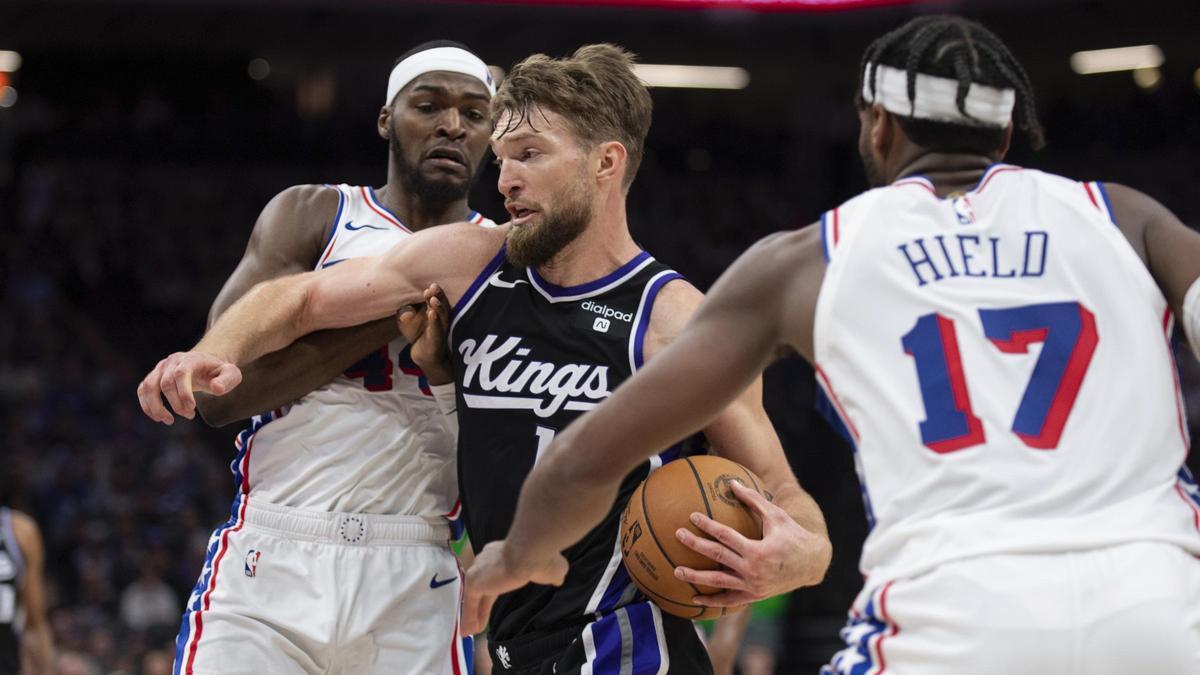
(433, 191)
(874, 176)
(536, 244)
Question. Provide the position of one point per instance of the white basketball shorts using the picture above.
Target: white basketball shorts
(285, 592)
(1125, 609)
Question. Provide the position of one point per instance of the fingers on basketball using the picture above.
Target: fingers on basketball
(663, 504)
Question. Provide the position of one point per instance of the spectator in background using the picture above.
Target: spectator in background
(149, 602)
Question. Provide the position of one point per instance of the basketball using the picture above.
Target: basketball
(662, 504)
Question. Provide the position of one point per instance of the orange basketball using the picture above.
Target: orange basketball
(662, 504)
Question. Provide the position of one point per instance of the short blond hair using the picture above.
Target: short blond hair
(594, 89)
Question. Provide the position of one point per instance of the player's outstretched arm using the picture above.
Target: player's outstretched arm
(275, 313)
(794, 549)
(37, 643)
(288, 238)
(1170, 249)
(276, 379)
(737, 331)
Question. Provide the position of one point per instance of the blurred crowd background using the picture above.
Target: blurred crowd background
(145, 137)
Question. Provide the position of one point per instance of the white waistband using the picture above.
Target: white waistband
(346, 528)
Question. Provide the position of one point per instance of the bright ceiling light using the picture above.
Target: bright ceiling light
(10, 62)
(694, 77)
(1121, 58)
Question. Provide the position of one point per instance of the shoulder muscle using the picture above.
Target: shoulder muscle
(677, 301)
(287, 238)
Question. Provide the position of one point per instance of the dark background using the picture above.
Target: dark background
(139, 153)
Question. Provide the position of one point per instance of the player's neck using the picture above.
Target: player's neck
(417, 213)
(602, 248)
(949, 172)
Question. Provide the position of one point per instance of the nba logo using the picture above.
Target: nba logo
(601, 324)
(963, 210)
(252, 563)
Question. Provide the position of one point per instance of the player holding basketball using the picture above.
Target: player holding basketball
(549, 316)
(335, 558)
(26, 643)
(996, 343)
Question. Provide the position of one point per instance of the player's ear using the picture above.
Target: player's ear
(881, 133)
(610, 161)
(382, 125)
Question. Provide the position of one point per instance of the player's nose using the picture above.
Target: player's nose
(510, 179)
(450, 124)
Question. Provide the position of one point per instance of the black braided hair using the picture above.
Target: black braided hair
(959, 49)
(432, 44)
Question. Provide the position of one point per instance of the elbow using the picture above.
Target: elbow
(298, 299)
(308, 305)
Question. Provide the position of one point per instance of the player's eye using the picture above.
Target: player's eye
(425, 107)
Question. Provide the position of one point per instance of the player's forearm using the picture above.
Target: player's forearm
(39, 649)
(266, 319)
(574, 484)
(811, 557)
(278, 378)
(557, 508)
(801, 507)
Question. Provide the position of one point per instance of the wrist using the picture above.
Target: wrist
(215, 350)
(446, 396)
(439, 378)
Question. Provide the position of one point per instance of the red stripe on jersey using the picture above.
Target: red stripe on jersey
(992, 174)
(328, 251)
(246, 466)
(456, 638)
(893, 628)
(835, 227)
(836, 403)
(916, 181)
(382, 212)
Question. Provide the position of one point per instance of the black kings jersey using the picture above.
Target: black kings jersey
(11, 569)
(531, 357)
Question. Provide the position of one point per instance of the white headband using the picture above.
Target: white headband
(936, 98)
(450, 59)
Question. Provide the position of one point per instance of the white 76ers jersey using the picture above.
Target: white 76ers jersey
(372, 440)
(1001, 361)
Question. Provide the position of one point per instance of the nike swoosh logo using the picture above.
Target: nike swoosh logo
(350, 226)
(434, 583)
(331, 263)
